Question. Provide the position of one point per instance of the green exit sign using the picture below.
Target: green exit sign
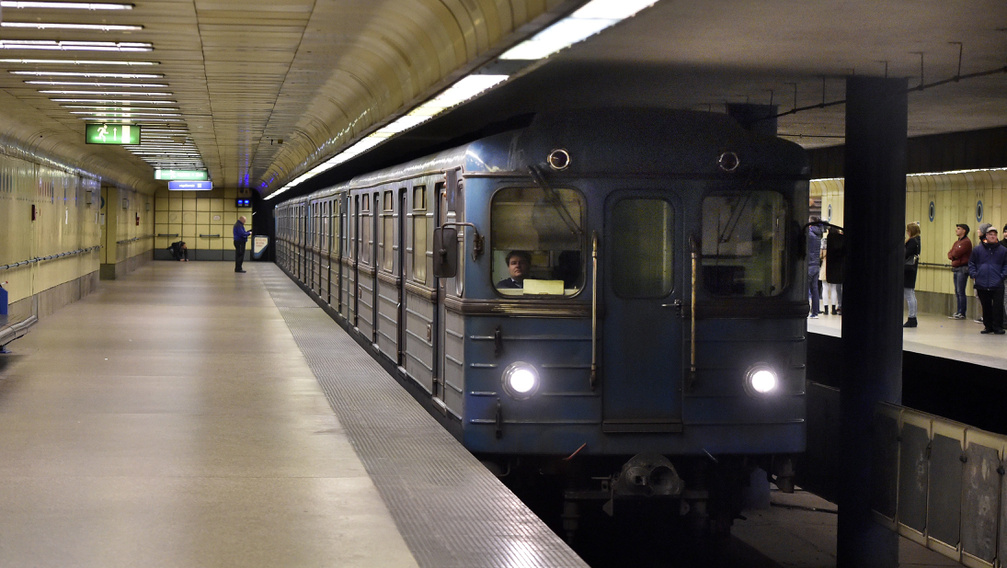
(112, 134)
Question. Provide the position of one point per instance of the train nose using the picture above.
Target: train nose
(650, 475)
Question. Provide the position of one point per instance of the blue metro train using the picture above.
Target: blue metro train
(615, 295)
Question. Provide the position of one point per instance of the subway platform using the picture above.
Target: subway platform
(937, 336)
(187, 416)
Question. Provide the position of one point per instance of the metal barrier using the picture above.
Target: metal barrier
(945, 485)
(942, 482)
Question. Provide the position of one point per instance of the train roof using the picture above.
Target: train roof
(611, 142)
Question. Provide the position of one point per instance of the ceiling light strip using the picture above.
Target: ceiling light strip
(88, 74)
(61, 26)
(17, 5)
(75, 62)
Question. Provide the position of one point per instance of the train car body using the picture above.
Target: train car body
(658, 335)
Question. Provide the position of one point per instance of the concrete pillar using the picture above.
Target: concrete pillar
(875, 197)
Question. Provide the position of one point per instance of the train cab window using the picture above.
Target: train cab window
(538, 241)
(645, 237)
(744, 246)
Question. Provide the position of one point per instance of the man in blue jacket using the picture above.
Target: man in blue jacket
(240, 237)
(988, 267)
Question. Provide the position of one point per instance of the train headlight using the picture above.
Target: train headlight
(521, 380)
(762, 380)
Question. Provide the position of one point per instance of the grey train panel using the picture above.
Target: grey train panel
(453, 372)
(419, 347)
(944, 500)
(386, 324)
(914, 477)
(365, 306)
(886, 448)
(980, 502)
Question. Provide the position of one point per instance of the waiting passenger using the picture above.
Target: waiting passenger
(959, 257)
(179, 251)
(913, 249)
(518, 265)
(988, 268)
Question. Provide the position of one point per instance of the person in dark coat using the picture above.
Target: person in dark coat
(240, 238)
(988, 269)
(912, 262)
(518, 264)
(814, 263)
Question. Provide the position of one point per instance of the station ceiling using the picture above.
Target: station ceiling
(264, 90)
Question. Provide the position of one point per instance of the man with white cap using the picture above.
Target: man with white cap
(988, 268)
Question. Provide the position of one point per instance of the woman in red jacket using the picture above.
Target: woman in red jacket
(959, 257)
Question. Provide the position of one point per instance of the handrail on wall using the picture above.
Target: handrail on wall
(50, 257)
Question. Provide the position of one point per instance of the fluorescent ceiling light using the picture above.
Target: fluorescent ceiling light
(64, 5)
(118, 108)
(89, 75)
(59, 45)
(58, 26)
(123, 113)
(108, 93)
(98, 85)
(76, 62)
(151, 102)
(592, 18)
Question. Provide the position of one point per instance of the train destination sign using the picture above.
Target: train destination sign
(190, 185)
(112, 134)
(187, 175)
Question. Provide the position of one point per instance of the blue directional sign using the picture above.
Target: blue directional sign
(190, 185)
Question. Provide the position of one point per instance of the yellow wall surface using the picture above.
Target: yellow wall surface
(956, 198)
(203, 219)
(128, 223)
(46, 251)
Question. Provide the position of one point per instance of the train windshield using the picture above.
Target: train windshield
(538, 241)
(744, 245)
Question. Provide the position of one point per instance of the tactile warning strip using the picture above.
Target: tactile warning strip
(451, 511)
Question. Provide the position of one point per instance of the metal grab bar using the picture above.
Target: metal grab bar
(50, 257)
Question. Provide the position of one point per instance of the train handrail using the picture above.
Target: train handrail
(594, 309)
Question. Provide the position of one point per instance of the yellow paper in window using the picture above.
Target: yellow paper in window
(543, 286)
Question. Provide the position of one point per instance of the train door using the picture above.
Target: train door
(400, 264)
(643, 294)
(440, 341)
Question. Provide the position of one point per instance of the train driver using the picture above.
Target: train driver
(518, 265)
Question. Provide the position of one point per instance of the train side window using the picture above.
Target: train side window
(544, 226)
(646, 238)
(387, 243)
(366, 224)
(420, 240)
(744, 243)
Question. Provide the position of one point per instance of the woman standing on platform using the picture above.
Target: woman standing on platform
(913, 248)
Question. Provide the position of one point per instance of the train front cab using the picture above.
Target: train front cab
(661, 322)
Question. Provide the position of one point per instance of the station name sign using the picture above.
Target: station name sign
(111, 134)
(190, 185)
(187, 175)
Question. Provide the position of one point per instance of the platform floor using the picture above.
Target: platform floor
(172, 419)
(185, 416)
(938, 336)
